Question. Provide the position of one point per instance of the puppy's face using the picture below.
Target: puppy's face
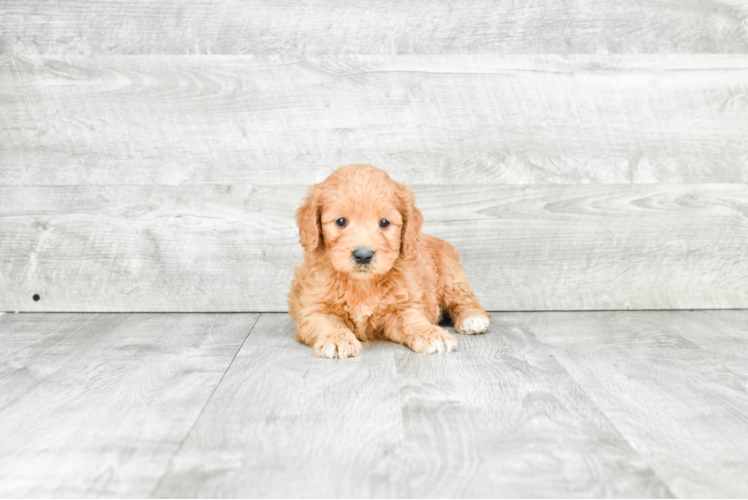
(362, 233)
(361, 219)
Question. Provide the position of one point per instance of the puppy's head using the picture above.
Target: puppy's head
(361, 219)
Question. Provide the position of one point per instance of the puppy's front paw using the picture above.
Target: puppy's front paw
(337, 345)
(473, 324)
(432, 340)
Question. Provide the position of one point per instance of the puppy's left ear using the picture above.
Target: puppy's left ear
(307, 218)
(412, 220)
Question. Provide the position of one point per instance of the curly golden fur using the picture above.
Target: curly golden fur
(369, 272)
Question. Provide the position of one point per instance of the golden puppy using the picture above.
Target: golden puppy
(370, 273)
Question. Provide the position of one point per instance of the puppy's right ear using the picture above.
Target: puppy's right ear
(307, 218)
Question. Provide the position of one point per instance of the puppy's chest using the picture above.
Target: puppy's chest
(361, 313)
(365, 316)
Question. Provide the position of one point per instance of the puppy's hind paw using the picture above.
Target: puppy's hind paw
(338, 346)
(473, 325)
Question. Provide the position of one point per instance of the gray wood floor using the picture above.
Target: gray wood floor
(567, 404)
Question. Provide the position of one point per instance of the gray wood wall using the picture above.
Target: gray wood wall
(580, 155)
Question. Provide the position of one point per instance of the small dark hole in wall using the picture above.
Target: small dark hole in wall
(36, 297)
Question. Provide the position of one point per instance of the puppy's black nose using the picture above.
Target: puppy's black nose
(363, 255)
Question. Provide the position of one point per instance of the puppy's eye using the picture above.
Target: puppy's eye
(341, 222)
(384, 223)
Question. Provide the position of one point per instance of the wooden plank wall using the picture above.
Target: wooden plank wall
(580, 155)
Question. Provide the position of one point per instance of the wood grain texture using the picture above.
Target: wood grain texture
(497, 418)
(723, 334)
(233, 248)
(100, 403)
(677, 404)
(603, 119)
(284, 423)
(155, 248)
(582, 404)
(501, 418)
(361, 27)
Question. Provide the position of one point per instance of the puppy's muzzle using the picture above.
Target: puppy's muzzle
(363, 255)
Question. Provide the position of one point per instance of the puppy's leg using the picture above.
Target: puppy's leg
(410, 327)
(468, 315)
(328, 335)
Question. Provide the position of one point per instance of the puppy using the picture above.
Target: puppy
(370, 273)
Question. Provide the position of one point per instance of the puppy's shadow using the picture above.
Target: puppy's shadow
(445, 320)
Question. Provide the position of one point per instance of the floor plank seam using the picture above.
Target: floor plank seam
(664, 484)
(199, 415)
